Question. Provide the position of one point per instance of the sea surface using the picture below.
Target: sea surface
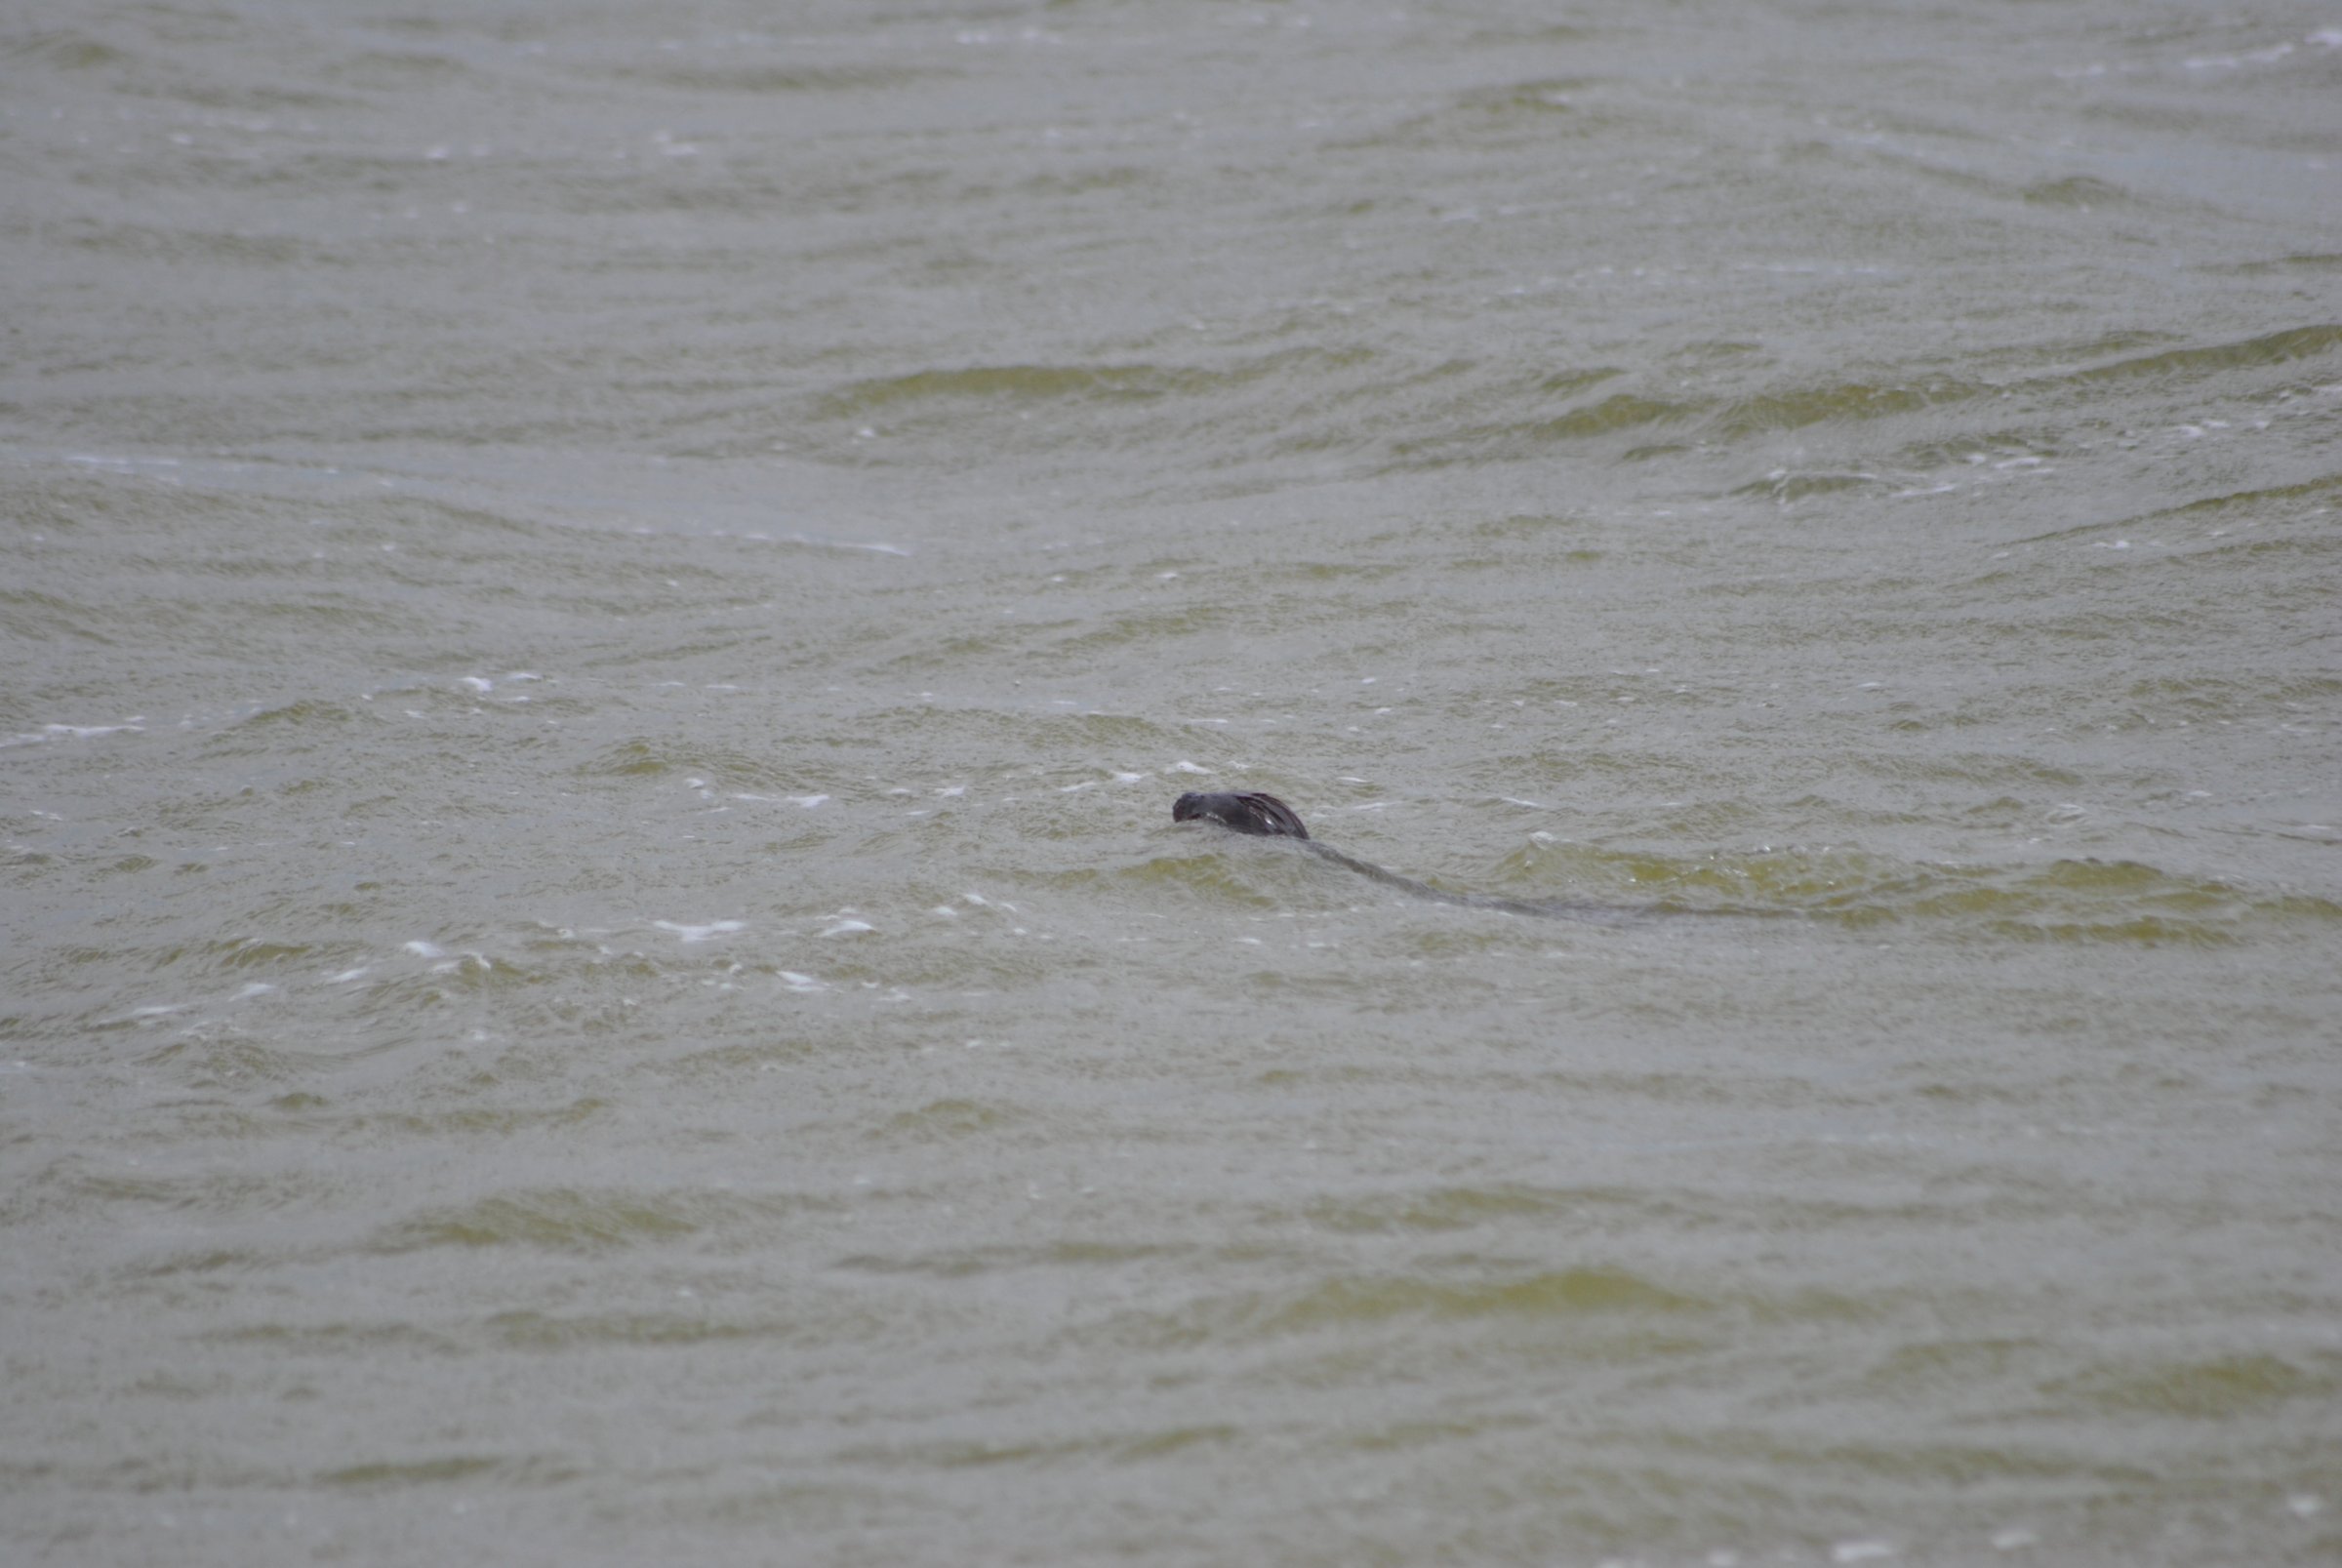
(601, 609)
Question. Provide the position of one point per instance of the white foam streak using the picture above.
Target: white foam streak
(72, 732)
(693, 934)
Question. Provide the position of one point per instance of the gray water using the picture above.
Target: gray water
(601, 610)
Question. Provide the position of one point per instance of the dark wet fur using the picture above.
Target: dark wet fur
(1265, 815)
(1270, 818)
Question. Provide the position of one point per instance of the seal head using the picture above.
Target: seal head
(1265, 815)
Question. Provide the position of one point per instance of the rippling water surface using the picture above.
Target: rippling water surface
(602, 608)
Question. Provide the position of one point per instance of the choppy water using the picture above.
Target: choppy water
(603, 612)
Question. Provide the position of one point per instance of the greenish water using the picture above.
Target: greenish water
(601, 617)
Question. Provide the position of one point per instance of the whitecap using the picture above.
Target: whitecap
(71, 732)
(691, 934)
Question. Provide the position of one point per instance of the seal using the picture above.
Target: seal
(1268, 817)
(1246, 813)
